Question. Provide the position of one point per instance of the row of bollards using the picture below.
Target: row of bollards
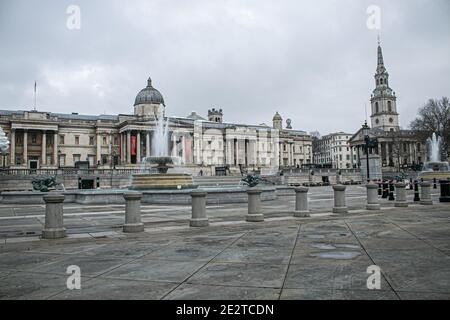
(54, 224)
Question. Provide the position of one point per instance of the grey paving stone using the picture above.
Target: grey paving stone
(241, 274)
(156, 270)
(20, 285)
(25, 260)
(249, 255)
(308, 294)
(423, 295)
(89, 266)
(116, 289)
(189, 291)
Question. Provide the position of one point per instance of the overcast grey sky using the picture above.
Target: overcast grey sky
(313, 61)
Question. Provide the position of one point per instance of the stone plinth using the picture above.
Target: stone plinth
(372, 197)
(339, 199)
(400, 195)
(199, 218)
(54, 221)
(254, 206)
(425, 193)
(445, 190)
(133, 221)
(301, 202)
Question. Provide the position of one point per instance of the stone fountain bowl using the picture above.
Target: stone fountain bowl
(160, 160)
(435, 170)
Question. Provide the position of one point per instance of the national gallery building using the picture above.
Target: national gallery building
(45, 140)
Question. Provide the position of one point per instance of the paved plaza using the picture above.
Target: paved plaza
(325, 256)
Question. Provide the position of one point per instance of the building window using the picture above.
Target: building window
(391, 120)
(33, 138)
(377, 121)
(104, 158)
(76, 158)
(61, 139)
(77, 140)
(116, 141)
(389, 106)
(91, 141)
(377, 109)
(62, 160)
(104, 141)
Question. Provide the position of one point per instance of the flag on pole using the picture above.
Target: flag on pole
(35, 95)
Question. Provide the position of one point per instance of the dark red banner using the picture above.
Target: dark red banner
(133, 145)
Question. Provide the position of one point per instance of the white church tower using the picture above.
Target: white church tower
(384, 102)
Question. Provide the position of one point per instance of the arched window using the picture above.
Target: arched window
(381, 81)
(377, 121)
(377, 109)
(389, 106)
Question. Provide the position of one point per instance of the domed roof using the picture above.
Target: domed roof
(277, 117)
(149, 95)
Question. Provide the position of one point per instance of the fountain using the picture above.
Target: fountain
(435, 169)
(160, 157)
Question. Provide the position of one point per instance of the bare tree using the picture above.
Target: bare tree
(434, 116)
(400, 151)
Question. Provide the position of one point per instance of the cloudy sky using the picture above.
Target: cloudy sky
(313, 61)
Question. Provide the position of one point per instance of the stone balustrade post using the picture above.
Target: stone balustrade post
(54, 221)
(199, 218)
(133, 221)
(339, 199)
(372, 197)
(254, 206)
(301, 202)
(400, 195)
(425, 193)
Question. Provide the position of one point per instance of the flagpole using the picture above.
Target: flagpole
(34, 95)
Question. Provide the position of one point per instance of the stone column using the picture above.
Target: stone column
(54, 223)
(372, 197)
(174, 144)
(99, 150)
(425, 197)
(339, 199)
(147, 144)
(138, 147)
(301, 202)
(44, 148)
(55, 149)
(183, 149)
(121, 147)
(133, 221)
(25, 148)
(12, 150)
(254, 206)
(128, 147)
(199, 218)
(400, 195)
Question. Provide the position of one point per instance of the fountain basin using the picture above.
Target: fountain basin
(162, 181)
(438, 170)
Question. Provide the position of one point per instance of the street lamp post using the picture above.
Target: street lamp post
(368, 143)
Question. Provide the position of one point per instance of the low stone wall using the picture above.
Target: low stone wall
(215, 196)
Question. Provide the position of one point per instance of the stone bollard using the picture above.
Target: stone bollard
(400, 195)
(199, 218)
(133, 212)
(445, 190)
(339, 199)
(425, 193)
(380, 188)
(301, 202)
(254, 206)
(372, 197)
(434, 183)
(416, 191)
(54, 221)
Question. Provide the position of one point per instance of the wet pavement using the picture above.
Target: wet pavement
(325, 256)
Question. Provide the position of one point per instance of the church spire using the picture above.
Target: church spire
(380, 64)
